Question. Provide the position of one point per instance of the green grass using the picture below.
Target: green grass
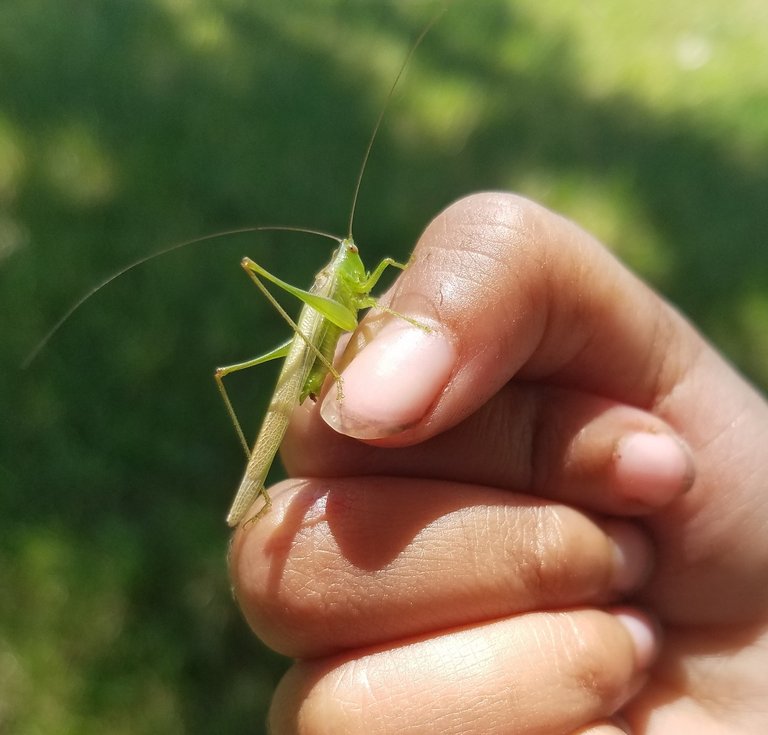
(127, 126)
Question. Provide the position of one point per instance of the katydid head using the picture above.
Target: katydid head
(348, 263)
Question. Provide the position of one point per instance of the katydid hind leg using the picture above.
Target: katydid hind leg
(254, 270)
(332, 310)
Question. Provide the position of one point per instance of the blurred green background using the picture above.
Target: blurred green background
(128, 126)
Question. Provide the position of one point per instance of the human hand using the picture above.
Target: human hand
(423, 598)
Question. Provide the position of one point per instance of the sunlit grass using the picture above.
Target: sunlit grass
(703, 57)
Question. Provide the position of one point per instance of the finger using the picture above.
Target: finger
(536, 673)
(508, 289)
(552, 442)
(513, 291)
(354, 562)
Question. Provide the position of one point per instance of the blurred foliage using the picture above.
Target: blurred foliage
(127, 126)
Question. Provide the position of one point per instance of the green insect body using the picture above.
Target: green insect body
(339, 292)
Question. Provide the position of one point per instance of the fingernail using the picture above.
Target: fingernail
(653, 468)
(633, 555)
(391, 383)
(643, 633)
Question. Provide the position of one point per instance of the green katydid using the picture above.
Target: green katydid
(340, 290)
(330, 308)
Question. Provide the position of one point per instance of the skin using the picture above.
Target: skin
(555, 522)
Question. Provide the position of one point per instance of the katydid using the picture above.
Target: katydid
(330, 308)
(340, 290)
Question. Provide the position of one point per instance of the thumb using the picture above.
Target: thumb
(507, 288)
